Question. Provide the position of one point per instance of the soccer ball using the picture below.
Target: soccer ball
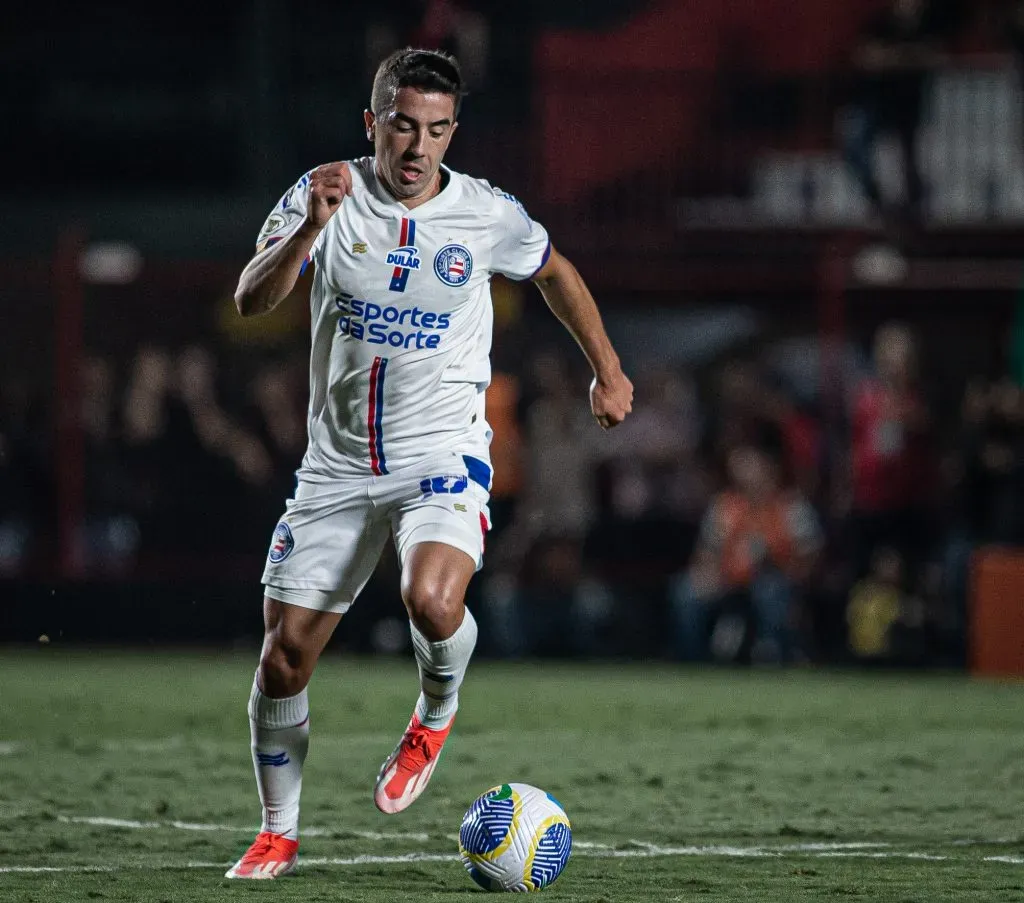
(515, 838)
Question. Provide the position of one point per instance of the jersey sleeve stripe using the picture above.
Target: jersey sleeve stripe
(263, 245)
(543, 260)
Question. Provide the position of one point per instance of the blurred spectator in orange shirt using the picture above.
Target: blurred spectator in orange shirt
(758, 545)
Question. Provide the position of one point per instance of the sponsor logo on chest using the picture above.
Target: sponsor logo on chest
(406, 258)
(389, 324)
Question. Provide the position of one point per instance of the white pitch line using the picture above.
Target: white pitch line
(133, 825)
(826, 847)
(423, 837)
(637, 848)
(420, 837)
(650, 851)
(100, 821)
(838, 854)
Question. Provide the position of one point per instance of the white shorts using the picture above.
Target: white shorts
(330, 538)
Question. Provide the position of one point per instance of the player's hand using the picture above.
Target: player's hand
(329, 185)
(611, 399)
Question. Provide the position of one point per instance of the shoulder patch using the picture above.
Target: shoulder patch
(273, 223)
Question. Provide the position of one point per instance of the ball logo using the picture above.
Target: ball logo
(453, 265)
(282, 544)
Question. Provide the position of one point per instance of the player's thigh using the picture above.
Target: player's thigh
(455, 517)
(325, 548)
(298, 633)
(435, 577)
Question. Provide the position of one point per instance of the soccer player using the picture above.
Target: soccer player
(403, 250)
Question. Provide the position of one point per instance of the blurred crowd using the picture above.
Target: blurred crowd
(726, 520)
(180, 461)
(729, 521)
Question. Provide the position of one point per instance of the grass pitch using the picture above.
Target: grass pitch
(126, 777)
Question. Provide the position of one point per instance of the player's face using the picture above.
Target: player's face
(411, 138)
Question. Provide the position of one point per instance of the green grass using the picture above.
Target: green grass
(653, 760)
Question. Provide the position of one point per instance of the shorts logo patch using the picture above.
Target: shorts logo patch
(282, 544)
(452, 484)
(453, 265)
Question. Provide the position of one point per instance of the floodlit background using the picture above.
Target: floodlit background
(803, 222)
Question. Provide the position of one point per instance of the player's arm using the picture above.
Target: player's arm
(271, 275)
(611, 392)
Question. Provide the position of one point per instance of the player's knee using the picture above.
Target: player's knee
(285, 668)
(434, 608)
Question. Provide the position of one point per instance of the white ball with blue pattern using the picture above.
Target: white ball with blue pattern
(515, 838)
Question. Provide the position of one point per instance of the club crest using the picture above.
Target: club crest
(282, 544)
(453, 265)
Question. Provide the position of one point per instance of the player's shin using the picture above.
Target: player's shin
(280, 739)
(442, 666)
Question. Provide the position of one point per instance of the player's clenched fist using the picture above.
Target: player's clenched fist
(611, 399)
(328, 186)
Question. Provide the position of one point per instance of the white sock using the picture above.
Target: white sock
(442, 666)
(280, 738)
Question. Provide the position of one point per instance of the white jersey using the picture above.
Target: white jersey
(401, 319)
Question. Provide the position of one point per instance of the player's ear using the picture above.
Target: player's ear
(371, 125)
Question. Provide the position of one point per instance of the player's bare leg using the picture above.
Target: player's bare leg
(279, 722)
(434, 582)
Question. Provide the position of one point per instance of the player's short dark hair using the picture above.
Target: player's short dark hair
(428, 70)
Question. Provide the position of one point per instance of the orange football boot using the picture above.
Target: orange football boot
(406, 773)
(270, 856)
